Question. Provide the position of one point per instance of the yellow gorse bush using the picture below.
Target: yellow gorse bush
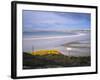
(43, 52)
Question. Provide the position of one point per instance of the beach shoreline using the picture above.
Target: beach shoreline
(55, 37)
(60, 43)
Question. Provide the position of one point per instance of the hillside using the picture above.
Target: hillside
(53, 60)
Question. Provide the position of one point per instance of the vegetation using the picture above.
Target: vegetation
(52, 59)
(44, 52)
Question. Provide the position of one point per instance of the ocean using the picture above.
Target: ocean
(46, 34)
(55, 40)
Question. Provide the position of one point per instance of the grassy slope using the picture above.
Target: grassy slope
(53, 60)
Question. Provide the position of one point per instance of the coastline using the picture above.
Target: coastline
(55, 37)
(61, 43)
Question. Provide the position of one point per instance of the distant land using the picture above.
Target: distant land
(82, 30)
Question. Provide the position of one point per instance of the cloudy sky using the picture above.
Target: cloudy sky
(43, 20)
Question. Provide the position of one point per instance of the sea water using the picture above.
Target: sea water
(45, 34)
(54, 40)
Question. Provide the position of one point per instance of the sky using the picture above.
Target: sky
(50, 20)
